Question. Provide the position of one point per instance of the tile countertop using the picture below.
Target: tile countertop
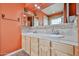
(52, 37)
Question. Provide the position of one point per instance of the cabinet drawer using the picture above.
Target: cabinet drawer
(44, 42)
(63, 47)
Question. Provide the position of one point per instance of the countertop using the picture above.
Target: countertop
(52, 37)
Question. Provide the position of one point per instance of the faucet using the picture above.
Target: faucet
(35, 31)
(55, 31)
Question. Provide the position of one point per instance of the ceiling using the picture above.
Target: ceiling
(31, 6)
(46, 8)
(55, 8)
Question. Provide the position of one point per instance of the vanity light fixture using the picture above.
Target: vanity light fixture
(24, 15)
(38, 7)
(35, 5)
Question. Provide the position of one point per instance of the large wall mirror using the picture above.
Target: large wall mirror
(54, 13)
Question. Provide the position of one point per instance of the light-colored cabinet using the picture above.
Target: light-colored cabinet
(44, 47)
(59, 53)
(23, 41)
(62, 49)
(26, 44)
(34, 46)
(52, 52)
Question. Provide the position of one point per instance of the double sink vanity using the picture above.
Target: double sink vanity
(55, 40)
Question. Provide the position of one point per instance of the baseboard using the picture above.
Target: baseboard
(13, 52)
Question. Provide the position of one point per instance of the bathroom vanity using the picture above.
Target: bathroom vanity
(57, 40)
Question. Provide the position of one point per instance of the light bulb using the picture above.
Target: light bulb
(38, 7)
(24, 15)
(35, 5)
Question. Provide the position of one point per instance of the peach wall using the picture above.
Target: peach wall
(65, 13)
(0, 28)
(12, 11)
(10, 32)
(72, 9)
(10, 36)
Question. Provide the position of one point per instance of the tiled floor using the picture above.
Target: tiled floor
(21, 53)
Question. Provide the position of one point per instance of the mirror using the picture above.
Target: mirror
(54, 13)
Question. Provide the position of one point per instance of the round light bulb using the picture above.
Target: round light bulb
(35, 5)
(24, 15)
(38, 7)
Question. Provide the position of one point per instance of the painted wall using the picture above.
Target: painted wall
(65, 12)
(10, 32)
(0, 28)
(72, 9)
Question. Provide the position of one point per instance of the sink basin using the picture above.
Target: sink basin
(47, 35)
(43, 35)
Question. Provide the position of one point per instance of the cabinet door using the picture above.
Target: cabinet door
(53, 52)
(44, 51)
(59, 53)
(27, 45)
(34, 46)
(69, 49)
(23, 41)
(44, 47)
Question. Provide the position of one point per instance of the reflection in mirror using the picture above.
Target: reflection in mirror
(36, 22)
(45, 21)
(54, 13)
(58, 20)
